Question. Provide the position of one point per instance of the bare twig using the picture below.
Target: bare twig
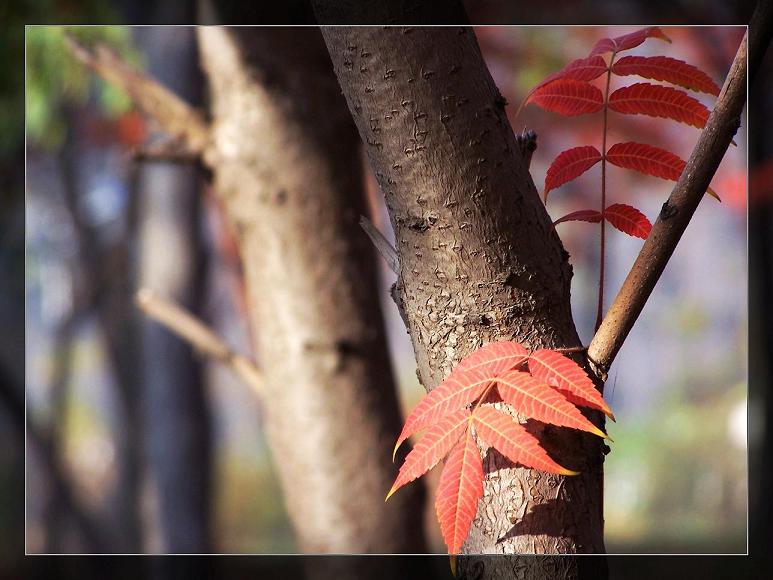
(193, 330)
(527, 141)
(678, 210)
(382, 244)
(174, 115)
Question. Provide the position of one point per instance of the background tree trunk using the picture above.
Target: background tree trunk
(175, 413)
(479, 260)
(286, 166)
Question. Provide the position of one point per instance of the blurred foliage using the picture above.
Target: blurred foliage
(699, 507)
(55, 78)
(15, 16)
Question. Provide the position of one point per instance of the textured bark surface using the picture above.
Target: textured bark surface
(479, 260)
(285, 160)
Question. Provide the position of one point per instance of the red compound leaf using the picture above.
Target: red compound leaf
(569, 165)
(657, 101)
(460, 488)
(627, 41)
(568, 97)
(670, 70)
(628, 220)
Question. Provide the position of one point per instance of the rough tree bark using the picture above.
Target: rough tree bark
(479, 260)
(284, 156)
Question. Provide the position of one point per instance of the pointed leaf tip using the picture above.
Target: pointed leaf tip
(583, 215)
(569, 165)
(458, 492)
(670, 70)
(538, 400)
(499, 430)
(433, 446)
(567, 377)
(628, 220)
(658, 101)
(649, 160)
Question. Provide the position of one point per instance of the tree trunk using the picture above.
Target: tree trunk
(175, 413)
(479, 259)
(286, 166)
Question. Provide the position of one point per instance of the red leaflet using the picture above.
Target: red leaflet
(510, 438)
(535, 399)
(628, 41)
(456, 392)
(568, 377)
(670, 70)
(495, 357)
(628, 220)
(437, 441)
(460, 488)
(582, 69)
(657, 101)
(583, 215)
(568, 97)
(646, 159)
(649, 160)
(569, 165)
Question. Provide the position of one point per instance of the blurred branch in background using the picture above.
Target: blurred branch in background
(201, 337)
(170, 257)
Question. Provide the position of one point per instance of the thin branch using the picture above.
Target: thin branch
(680, 207)
(383, 246)
(174, 115)
(527, 141)
(193, 330)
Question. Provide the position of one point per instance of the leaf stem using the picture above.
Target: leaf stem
(600, 309)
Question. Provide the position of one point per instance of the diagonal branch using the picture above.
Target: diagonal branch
(193, 330)
(680, 207)
(175, 116)
(385, 249)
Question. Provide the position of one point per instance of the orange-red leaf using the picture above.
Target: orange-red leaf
(568, 377)
(583, 215)
(649, 160)
(456, 392)
(628, 220)
(628, 41)
(533, 398)
(432, 447)
(458, 492)
(568, 97)
(670, 70)
(658, 101)
(569, 165)
(495, 357)
(498, 429)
